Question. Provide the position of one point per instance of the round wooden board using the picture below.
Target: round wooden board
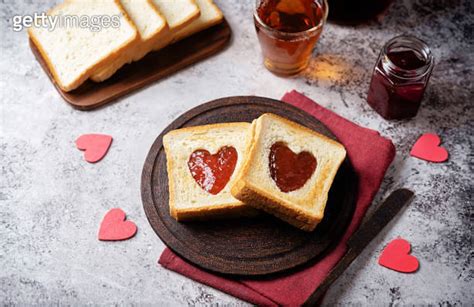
(245, 246)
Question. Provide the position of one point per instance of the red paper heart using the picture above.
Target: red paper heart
(427, 148)
(290, 171)
(396, 256)
(94, 145)
(212, 172)
(114, 227)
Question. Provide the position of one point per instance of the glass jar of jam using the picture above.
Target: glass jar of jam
(400, 77)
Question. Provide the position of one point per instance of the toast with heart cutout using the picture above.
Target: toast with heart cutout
(288, 171)
(202, 163)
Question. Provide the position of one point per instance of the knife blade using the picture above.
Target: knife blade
(362, 237)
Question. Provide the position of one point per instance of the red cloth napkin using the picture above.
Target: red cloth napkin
(370, 155)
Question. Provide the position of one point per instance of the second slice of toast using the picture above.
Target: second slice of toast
(202, 163)
(289, 171)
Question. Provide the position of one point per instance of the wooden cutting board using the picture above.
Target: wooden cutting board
(154, 66)
(245, 246)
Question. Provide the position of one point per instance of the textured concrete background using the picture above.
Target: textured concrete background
(51, 201)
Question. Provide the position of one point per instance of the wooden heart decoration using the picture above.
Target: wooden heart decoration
(427, 148)
(290, 171)
(212, 172)
(114, 227)
(396, 256)
(95, 146)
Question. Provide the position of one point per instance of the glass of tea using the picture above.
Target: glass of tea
(288, 31)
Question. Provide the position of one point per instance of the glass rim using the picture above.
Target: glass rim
(295, 34)
(402, 73)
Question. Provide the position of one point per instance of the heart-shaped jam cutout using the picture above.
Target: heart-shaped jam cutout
(212, 172)
(290, 171)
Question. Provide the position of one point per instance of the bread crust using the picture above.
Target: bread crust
(100, 63)
(203, 128)
(262, 200)
(224, 211)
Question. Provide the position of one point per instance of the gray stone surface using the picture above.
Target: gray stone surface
(51, 201)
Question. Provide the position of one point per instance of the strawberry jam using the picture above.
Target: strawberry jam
(290, 171)
(212, 172)
(400, 78)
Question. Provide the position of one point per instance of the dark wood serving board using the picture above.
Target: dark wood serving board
(245, 246)
(152, 67)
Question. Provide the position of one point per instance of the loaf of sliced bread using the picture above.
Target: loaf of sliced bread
(178, 14)
(152, 28)
(288, 171)
(72, 53)
(202, 164)
(210, 15)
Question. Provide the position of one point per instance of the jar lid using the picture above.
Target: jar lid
(407, 57)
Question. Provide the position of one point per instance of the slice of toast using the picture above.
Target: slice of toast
(292, 186)
(210, 15)
(152, 28)
(197, 189)
(73, 52)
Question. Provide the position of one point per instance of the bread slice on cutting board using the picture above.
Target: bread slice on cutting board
(288, 171)
(152, 28)
(210, 15)
(202, 163)
(73, 53)
(157, 21)
(178, 14)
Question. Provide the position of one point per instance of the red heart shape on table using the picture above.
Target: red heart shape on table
(212, 172)
(114, 227)
(427, 148)
(396, 256)
(95, 146)
(290, 171)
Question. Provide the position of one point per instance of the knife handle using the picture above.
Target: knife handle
(361, 238)
(316, 297)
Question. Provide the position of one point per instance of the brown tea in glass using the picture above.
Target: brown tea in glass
(288, 31)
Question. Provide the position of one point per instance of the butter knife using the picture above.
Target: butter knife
(362, 237)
